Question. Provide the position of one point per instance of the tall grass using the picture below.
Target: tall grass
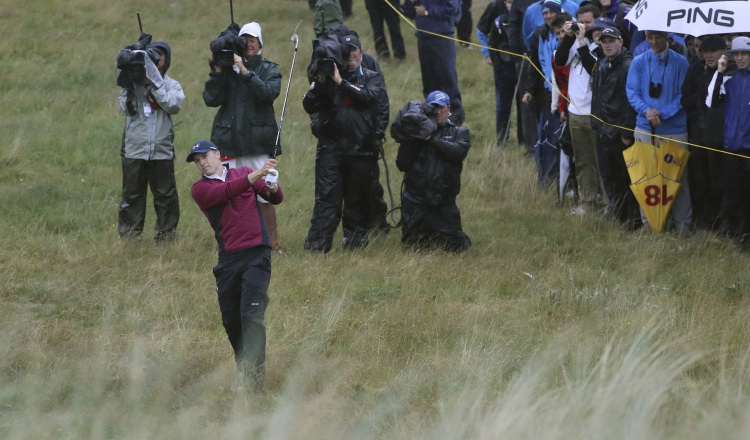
(550, 326)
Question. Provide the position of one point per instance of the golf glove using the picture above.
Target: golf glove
(272, 178)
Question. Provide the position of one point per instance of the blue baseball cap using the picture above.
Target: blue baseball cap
(438, 98)
(201, 147)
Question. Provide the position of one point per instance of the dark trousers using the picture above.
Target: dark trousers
(137, 176)
(346, 7)
(433, 226)
(706, 176)
(379, 12)
(437, 60)
(737, 202)
(347, 190)
(465, 26)
(527, 116)
(242, 280)
(505, 85)
(621, 202)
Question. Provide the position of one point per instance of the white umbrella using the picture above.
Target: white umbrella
(692, 17)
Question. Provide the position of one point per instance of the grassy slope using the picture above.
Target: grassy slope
(549, 326)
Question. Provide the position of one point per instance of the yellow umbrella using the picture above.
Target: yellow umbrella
(655, 172)
(673, 160)
(656, 195)
(640, 158)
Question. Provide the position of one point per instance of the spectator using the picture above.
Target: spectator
(654, 90)
(538, 90)
(705, 128)
(616, 10)
(432, 180)
(465, 24)
(534, 17)
(382, 11)
(731, 92)
(524, 18)
(693, 45)
(583, 136)
(437, 55)
(352, 115)
(148, 103)
(228, 199)
(492, 32)
(675, 42)
(613, 118)
(245, 126)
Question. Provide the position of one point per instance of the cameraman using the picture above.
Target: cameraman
(148, 101)
(245, 126)
(432, 180)
(352, 107)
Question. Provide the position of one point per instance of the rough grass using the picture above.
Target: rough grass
(550, 326)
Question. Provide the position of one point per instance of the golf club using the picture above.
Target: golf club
(295, 39)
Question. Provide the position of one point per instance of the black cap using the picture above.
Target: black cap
(351, 40)
(713, 43)
(612, 32)
(201, 147)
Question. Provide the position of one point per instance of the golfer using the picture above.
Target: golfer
(228, 198)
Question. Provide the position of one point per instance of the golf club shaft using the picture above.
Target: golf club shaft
(295, 38)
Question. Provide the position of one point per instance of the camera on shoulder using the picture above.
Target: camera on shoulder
(327, 51)
(131, 61)
(227, 45)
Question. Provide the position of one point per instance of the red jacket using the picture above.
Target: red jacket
(232, 209)
(561, 77)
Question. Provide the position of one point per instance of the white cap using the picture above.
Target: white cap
(252, 29)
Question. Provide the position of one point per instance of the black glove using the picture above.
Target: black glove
(143, 41)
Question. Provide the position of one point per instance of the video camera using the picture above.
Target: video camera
(227, 44)
(132, 61)
(327, 51)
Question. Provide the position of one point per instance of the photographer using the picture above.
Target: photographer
(432, 179)
(352, 113)
(244, 88)
(148, 99)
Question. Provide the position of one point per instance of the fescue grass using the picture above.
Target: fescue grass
(550, 326)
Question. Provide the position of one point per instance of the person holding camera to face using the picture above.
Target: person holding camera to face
(244, 86)
(432, 168)
(349, 105)
(148, 99)
(654, 89)
(431, 154)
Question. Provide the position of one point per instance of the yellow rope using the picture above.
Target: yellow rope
(413, 25)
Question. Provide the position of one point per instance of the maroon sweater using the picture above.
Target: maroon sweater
(233, 211)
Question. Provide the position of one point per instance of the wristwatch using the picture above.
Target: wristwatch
(426, 12)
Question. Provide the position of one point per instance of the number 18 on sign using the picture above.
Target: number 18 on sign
(656, 195)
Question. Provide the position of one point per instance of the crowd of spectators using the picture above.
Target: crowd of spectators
(609, 85)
